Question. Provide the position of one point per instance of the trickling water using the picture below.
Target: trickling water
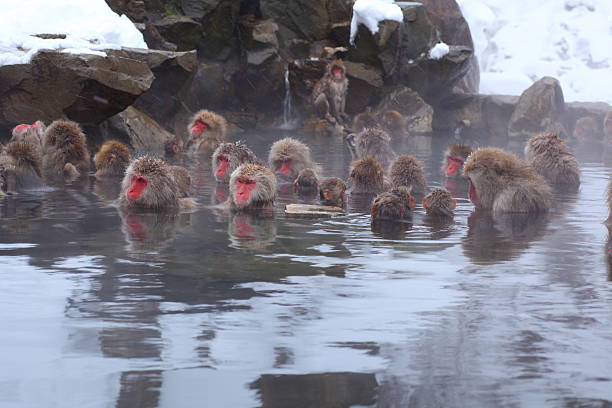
(288, 120)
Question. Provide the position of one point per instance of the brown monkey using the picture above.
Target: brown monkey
(329, 93)
(392, 205)
(364, 120)
(586, 129)
(252, 186)
(306, 181)
(453, 160)
(174, 147)
(206, 132)
(553, 160)
(228, 156)
(501, 182)
(367, 175)
(288, 157)
(373, 142)
(333, 192)
(439, 203)
(393, 123)
(181, 178)
(151, 183)
(112, 159)
(21, 167)
(407, 171)
(29, 133)
(64, 149)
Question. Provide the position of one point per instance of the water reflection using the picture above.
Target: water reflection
(251, 230)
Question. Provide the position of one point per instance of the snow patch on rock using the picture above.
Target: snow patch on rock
(439, 50)
(372, 12)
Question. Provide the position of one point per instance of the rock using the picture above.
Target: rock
(306, 19)
(607, 127)
(540, 108)
(84, 88)
(183, 31)
(411, 105)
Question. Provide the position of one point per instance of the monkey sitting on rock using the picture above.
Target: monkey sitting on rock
(329, 93)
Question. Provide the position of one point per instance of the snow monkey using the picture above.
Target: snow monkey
(150, 183)
(587, 128)
(64, 150)
(306, 181)
(553, 160)
(407, 171)
(206, 132)
(288, 157)
(252, 186)
(20, 165)
(112, 159)
(363, 121)
(393, 123)
(373, 142)
(329, 93)
(367, 175)
(439, 203)
(333, 192)
(453, 160)
(228, 156)
(174, 147)
(392, 205)
(501, 182)
(29, 133)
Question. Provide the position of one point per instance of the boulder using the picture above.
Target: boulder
(183, 31)
(306, 19)
(411, 105)
(540, 108)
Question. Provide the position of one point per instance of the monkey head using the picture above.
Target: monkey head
(366, 175)
(228, 156)
(392, 205)
(392, 121)
(439, 202)
(454, 157)
(112, 159)
(336, 70)
(252, 186)
(33, 132)
(206, 122)
(174, 146)
(306, 180)
(288, 157)
(148, 183)
(332, 192)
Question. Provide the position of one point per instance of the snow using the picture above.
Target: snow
(439, 50)
(522, 41)
(371, 12)
(90, 26)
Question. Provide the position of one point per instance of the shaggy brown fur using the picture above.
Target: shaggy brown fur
(164, 186)
(263, 193)
(587, 129)
(112, 159)
(306, 181)
(501, 182)
(207, 131)
(235, 154)
(364, 120)
(454, 158)
(392, 205)
(29, 133)
(174, 147)
(329, 93)
(64, 150)
(553, 160)
(182, 178)
(333, 192)
(439, 203)
(373, 142)
(295, 155)
(407, 171)
(393, 123)
(21, 166)
(367, 175)
(26, 157)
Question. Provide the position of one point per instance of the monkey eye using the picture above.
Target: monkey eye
(246, 181)
(456, 160)
(222, 158)
(141, 180)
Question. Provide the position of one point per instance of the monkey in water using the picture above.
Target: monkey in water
(173, 148)
(453, 160)
(407, 171)
(394, 205)
(288, 157)
(501, 182)
(20, 165)
(29, 133)
(373, 142)
(367, 175)
(329, 93)
(333, 192)
(112, 159)
(64, 150)
(228, 156)
(393, 123)
(149, 183)
(252, 186)
(553, 160)
(306, 182)
(364, 120)
(439, 203)
(207, 131)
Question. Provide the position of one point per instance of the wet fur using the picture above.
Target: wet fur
(407, 171)
(207, 141)
(506, 184)
(374, 142)
(392, 205)
(306, 180)
(238, 153)
(21, 166)
(32, 134)
(112, 159)
(295, 150)
(439, 203)
(338, 191)
(367, 175)
(393, 123)
(65, 150)
(329, 94)
(553, 160)
(264, 193)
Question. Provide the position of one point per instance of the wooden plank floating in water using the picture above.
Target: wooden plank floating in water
(313, 210)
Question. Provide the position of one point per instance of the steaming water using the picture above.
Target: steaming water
(100, 308)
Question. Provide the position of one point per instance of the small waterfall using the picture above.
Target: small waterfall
(288, 120)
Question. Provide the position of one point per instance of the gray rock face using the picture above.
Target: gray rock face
(540, 108)
(410, 104)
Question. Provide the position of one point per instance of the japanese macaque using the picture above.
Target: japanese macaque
(333, 192)
(306, 182)
(29, 133)
(373, 142)
(367, 175)
(501, 182)
(206, 132)
(407, 171)
(174, 147)
(393, 123)
(112, 159)
(64, 150)
(394, 205)
(439, 203)
(587, 129)
(453, 160)
(228, 156)
(252, 186)
(21, 167)
(553, 160)
(288, 157)
(329, 93)
(364, 120)
(149, 183)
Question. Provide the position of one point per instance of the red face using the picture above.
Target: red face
(337, 72)
(21, 128)
(284, 167)
(244, 188)
(472, 194)
(222, 166)
(453, 166)
(137, 186)
(198, 127)
(327, 195)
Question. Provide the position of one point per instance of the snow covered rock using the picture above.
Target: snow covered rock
(371, 13)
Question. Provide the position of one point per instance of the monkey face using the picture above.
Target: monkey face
(285, 167)
(223, 167)
(453, 166)
(138, 185)
(199, 127)
(244, 190)
(337, 72)
(473, 195)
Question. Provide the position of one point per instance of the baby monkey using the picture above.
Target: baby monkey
(394, 205)
(112, 159)
(306, 182)
(333, 192)
(228, 156)
(439, 203)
